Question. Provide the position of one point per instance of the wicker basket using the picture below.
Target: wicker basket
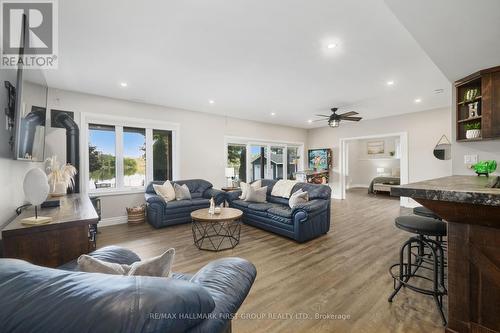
(136, 215)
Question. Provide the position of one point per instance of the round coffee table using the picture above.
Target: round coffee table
(216, 232)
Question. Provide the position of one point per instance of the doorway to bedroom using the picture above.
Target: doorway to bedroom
(374, 164)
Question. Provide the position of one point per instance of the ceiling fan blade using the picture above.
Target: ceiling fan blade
(347, 114)
(322, 115)
(351, 118)
(318, 120)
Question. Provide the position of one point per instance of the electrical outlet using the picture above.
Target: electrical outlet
(470, 159)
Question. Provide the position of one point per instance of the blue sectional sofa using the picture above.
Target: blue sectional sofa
(40, 299)
(302, 223)
(161, 214)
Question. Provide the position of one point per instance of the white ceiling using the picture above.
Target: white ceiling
(460, 36)
(251, 57)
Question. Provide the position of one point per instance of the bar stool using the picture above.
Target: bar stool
(425, 212)
(419, 254)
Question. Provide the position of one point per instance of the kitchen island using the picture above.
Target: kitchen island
(472, 209)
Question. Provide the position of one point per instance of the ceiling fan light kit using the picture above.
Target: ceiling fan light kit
(334, 119)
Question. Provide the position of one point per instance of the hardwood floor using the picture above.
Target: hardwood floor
(342, 273)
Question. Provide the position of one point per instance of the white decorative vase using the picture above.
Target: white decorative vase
(473, 134)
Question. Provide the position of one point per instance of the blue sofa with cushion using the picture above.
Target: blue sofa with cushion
(40, 299)
(302, 223)
(161, 214)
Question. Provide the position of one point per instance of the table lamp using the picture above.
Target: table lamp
(230, 176)
(36, 189)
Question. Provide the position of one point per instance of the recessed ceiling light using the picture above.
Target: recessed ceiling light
(273, 114)
(390, 83)
(211, 101)
(332, 45)
(123, 84)
(310, 121)
(418, 100)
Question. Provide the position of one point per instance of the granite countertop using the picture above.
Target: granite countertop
(462, 189)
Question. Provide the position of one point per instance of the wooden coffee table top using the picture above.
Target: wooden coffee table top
(226, 214)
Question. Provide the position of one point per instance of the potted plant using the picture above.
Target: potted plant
(473, 130)
(61, 177)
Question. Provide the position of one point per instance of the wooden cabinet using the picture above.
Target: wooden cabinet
(70, 234)
(485, 99)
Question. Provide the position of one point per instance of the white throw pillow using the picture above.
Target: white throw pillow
(166, 191)
(244, 188)
(256, 194)
(298, 197)
(283, 188)
(182, 192)
(159, 266)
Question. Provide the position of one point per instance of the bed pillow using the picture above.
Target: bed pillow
(166, 191)
(182, 192)
(256, 194)
(298, 197)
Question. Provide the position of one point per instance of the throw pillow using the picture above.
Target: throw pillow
(244, 187)
(283, 188)
(256, 194)
(298, 197)
(159, 266)
(166, 191)
(182, 192)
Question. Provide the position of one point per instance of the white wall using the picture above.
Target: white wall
(424, 130)
(201, 137)
(362, 168)
(11, 172)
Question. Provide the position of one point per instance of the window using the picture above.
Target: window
(126, 158)
(102, 156)
(276, 163)
(258, 162)
(134, 157)
(254, 160)
(162, 155)
(292, 154)
(237, 159)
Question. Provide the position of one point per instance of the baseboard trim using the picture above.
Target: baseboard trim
(113, 220)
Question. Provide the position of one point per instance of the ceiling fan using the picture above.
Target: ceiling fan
(334, 119)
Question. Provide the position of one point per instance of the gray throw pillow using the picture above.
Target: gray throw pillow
(159, 266)
(256, 194)
(182, 192)
(298, 197)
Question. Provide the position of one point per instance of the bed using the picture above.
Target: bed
(384, 181)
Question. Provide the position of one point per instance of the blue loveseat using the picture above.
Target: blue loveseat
(40, 299)
(302, 223)
(161, 214)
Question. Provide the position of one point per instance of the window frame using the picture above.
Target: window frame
(248, 142)
(119, 123)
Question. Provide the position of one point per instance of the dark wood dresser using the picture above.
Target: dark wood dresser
(70, 234)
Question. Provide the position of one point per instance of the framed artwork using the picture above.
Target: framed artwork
(375, 147)
(320, 159)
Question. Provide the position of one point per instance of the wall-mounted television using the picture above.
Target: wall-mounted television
(30, 111)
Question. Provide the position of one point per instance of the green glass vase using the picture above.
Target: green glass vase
(485, 167)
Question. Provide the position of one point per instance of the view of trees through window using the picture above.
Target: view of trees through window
(237, 159)
(292, 155)
(102, 156)
(162, 155)
(134, 156)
